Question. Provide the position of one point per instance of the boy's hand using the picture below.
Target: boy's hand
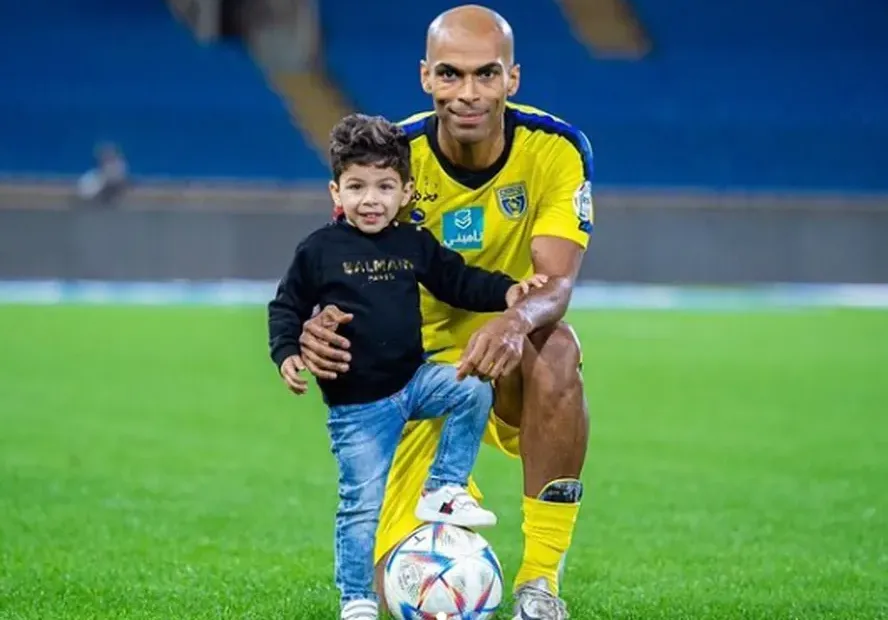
(290, 370)
(518, 291)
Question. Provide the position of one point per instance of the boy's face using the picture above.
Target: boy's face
(370, 196)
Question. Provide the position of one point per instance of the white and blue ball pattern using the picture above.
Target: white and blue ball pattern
(443, 572)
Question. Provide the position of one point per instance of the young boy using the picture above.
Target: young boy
(370, 266)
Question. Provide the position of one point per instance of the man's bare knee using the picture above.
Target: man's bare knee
(551, 362)
(557, 347)
(554, 376)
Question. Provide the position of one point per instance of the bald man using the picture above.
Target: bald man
(508, 186)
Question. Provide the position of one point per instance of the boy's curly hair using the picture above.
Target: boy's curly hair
(369, 141)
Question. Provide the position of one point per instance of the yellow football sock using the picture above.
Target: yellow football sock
(548, 528)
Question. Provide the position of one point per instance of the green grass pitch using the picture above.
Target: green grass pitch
(152, 466)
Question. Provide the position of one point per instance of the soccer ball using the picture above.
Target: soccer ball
(443, 572)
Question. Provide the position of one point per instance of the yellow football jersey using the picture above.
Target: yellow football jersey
(541, 185)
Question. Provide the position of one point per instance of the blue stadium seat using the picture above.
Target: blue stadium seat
(736, 94)
(80, 71)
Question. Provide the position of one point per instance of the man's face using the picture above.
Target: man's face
(469, 79)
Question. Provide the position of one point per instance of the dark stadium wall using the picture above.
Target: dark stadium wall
(635, 240)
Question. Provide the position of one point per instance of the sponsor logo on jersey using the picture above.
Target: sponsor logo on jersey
(582, 200)
(463, 229)
(426, 190)
(419, 196)
(512, 200)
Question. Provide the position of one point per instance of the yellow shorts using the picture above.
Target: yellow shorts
(410, 469)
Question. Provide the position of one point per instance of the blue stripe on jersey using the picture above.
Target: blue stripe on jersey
(415, 129)
(544, 122)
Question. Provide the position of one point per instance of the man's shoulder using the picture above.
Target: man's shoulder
(536, 118)
(539, 121)
(552, 134)
(414, 125)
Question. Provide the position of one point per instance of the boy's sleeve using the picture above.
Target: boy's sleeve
(566, 209)
(291, 307)
(445, 274)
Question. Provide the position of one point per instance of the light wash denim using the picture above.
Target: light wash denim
(364, 438)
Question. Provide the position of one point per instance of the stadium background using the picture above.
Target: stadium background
(152, 466)
(737, 142)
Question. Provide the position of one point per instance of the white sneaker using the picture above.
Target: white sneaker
(534, 600)
(360, 610)
(452, 504)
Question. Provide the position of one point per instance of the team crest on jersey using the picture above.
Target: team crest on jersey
(463, 229)
(512, 200)
(582, 200)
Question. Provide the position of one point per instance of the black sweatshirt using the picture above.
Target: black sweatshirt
(375, 278)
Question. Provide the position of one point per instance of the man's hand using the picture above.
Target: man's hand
(323, 350)
(290, 370)
(494, 350)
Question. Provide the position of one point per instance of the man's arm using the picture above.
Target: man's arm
(560, 232)
(560, 260)
(496, 349)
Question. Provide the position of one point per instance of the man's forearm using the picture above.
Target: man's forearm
(543, 306)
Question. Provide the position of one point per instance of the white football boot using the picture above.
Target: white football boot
(534, 601)
(360, 610)
(452, 504)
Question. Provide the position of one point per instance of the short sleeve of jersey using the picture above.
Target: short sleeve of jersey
(566, 208)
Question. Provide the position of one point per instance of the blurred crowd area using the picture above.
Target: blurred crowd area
(731, 96)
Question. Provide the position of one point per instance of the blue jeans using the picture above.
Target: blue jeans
(364, 438)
